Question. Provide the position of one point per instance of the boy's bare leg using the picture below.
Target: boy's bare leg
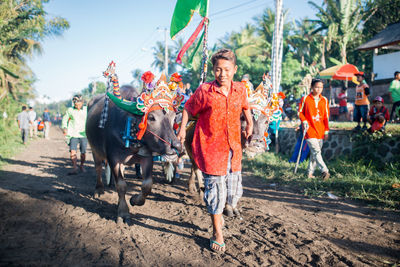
(83, 158)
(73, 160)
(216, 220)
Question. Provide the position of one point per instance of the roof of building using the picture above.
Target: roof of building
(388, 36)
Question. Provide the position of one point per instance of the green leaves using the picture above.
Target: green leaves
(23, 26)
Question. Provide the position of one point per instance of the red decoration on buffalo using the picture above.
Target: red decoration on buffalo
(147, 77)
(176, 77)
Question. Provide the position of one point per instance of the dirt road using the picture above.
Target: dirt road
(49, 218)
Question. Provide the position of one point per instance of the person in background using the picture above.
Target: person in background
(362, 102)
(314, 115)
(73, 125)
(394, 92)
(184, 91)
(246, 81)
(23, 124)
(47, 123)
(343, 111)
(378, 115)
(217, 148)
(32, 123)
(189, 91)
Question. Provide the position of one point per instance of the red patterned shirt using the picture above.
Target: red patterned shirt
(218, 127)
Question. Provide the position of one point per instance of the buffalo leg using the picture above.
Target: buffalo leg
(200, 181)
(147, 169)
(121, 186)
(99, 190)
(191, 181)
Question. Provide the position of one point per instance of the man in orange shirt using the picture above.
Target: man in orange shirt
(362, 102)
(216, 145)
(314, 114)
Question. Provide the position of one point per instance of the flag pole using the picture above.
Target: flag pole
(203, 75)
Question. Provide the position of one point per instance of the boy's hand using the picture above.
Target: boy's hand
(326, 137)
(65, 131)
(305, 126)
(249, 130)
(181, 135)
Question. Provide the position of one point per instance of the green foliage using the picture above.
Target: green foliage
(10, 140)
(369, 147)
(23, 26)
(349, 178)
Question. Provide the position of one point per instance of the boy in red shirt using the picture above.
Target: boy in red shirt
(216, 145)
(314, 114)
(378, 115)
(343, 103)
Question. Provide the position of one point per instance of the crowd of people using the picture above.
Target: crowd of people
(30, 124)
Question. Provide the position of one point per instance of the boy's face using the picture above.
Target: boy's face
(397, 76)
(78, 104)
(378, 104)
(317, 88)
(360, 78)
(224, 70)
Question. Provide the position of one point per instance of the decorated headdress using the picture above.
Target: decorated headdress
(162, 93)
(159, 95)
(262, 101)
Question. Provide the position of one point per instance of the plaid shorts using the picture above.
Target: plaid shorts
(220, 190)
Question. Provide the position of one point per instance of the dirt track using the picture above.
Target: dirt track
(50, 218)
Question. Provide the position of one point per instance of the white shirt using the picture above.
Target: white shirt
(32, 115)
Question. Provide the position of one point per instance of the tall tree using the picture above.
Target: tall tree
(23, 26)
(136, 75)
(339, 21)
(159, 58)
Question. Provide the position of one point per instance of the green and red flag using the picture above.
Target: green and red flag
(183, 13)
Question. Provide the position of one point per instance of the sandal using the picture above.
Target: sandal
(73, 172)
(221, 246)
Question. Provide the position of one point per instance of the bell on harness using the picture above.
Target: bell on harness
(129, 134)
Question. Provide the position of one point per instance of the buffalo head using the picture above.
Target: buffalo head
(255, 144)
(160, 136)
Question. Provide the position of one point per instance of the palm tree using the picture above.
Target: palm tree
(23, 25)
(339, 20)
(309, 48)
(159, 57)
(136, 75)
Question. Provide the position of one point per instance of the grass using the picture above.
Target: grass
(349, 178)
(10, 142)
(390, 127)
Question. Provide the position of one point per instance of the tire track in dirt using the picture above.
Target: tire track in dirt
(49, 218)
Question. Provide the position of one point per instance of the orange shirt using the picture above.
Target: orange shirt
(218, 126)
(361, 97)
(316, 114)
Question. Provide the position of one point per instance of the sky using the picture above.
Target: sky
(125, 31)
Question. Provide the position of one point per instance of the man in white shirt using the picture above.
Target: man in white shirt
(32, 123)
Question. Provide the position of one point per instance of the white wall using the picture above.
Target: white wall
(386, 65)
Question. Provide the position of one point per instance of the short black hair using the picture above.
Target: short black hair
(224, 53)
(23, 107)
(395, 73)
(77, 98)
(30, 107)
(314, 81)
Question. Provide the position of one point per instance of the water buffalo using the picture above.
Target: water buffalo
(108, 145)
